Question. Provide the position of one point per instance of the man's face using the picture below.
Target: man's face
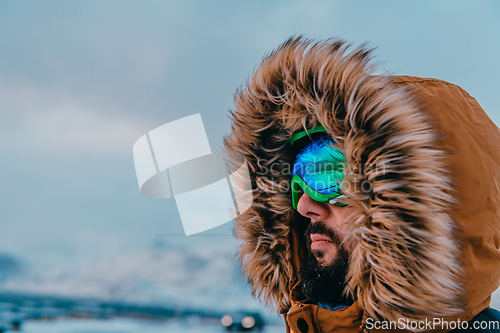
(328, 229)
(329, 246)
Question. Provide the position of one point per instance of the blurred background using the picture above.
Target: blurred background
(81, 250)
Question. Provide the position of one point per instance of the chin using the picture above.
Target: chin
(326, 257)
(323, 275)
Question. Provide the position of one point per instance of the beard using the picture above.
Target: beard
(325, 282)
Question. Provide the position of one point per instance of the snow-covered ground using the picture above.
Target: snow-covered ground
(173, 277)
(125, 326)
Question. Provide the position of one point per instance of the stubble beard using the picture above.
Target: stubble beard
(324, 282)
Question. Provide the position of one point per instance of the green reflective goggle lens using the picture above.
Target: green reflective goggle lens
(318, 167)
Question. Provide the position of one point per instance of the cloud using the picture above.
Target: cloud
(48, 123)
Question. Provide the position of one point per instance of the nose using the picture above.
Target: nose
(316, 211)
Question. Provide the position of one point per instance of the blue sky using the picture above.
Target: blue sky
(81, 81)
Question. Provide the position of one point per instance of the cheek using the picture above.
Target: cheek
(350, 244)
(350, 209)
(342, 222)
(346, 212)
(349, 240)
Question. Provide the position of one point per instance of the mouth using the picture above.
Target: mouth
(319, 241)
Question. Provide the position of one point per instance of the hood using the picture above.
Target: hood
(428, 227)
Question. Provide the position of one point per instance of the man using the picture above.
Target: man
(376, 199)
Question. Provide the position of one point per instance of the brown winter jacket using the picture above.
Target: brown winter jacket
(428, 231)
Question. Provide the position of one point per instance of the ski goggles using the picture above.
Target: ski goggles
(318, 167)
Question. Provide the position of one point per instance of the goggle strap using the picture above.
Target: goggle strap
(335, 200)
(302, 134)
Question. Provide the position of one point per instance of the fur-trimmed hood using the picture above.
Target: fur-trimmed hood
(428, 229)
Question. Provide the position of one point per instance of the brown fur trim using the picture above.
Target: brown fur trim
(404, 265)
